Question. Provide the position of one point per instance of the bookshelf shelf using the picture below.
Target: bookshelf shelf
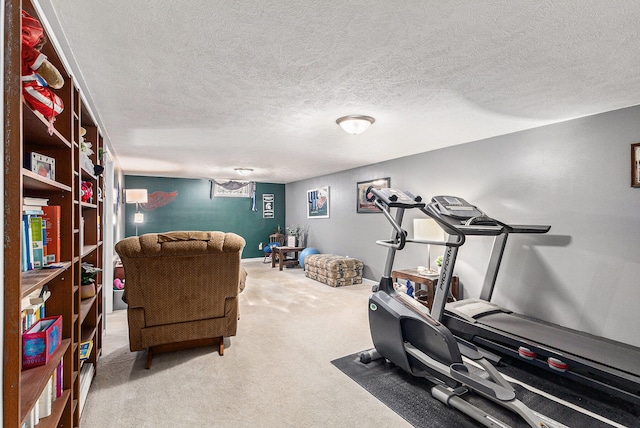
(34, 181)
(88, 249)
(35, 279)
(88, 205)
(26, 131)
(85, 307)
(35, 126)
(87, 174)
(88, 334)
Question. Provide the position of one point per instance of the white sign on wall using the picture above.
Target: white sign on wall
(268, 209)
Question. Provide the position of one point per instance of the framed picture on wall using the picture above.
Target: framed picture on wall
(635, 165)
(268, 209)
(364, 206)
(318, 202)
(235, 189)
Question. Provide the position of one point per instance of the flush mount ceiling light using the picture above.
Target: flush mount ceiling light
(354, 124)
(243, 171)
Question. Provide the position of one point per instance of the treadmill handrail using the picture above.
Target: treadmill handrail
(400, 234)
(529, 228)
(482, 230)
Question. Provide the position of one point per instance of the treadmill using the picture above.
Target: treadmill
(600, 363)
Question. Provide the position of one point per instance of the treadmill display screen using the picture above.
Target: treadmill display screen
(451, 200)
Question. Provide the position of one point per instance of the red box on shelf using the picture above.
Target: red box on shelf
(41, 341)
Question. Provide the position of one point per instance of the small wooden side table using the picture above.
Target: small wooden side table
(281, 254)
(417, 278)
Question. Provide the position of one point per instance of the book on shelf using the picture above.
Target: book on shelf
(52, 219)
(31, 314)
(32, 209)
(85, 349)
(44, 243)
(23, 247)
(86, 376)
(27, 238)
(37, 242)
(59, 379)
(44, 402)
(28, 200)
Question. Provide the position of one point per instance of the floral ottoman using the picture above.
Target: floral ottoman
(333, 270)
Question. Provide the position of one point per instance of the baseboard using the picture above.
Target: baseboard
(253, 260)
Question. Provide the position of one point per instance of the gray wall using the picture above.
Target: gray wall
(573, 176)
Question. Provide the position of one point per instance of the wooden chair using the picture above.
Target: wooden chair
(276, 237)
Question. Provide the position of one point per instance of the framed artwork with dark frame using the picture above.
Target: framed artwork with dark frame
(635, 165)
(364, 206)
(318, 202)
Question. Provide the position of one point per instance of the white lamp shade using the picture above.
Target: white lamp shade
(133, 196)
(138, 218)
(355, 124)
(426, 229)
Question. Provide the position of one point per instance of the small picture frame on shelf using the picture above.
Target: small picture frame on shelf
(44, 166)
(635, 165)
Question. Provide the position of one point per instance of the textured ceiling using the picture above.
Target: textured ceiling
(196, 88)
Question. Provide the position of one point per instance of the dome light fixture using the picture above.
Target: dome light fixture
(355, 124)
(243, 171)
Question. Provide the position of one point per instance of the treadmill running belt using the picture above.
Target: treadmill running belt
(606, 352)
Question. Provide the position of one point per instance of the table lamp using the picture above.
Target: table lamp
(426, 229)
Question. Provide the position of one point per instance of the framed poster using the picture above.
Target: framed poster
(268, 209)
(635, 165)
(364, 206)
(318, 202)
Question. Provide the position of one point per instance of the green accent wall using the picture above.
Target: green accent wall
(194, 209)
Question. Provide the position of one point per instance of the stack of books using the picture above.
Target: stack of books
(41, 233)
(33, 307)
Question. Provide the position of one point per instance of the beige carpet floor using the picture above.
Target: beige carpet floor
(276, 372)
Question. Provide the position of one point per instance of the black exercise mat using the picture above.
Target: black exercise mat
(410, 397)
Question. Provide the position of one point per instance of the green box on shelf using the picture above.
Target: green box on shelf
(40, 342)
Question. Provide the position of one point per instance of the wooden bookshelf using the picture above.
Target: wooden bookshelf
(26, 132)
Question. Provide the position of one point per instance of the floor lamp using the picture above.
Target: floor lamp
(137, 196)
(426, 229)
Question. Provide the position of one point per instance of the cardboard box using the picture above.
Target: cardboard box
(40, 342)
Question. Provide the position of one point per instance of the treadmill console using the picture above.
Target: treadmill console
(456, 207)
(397, 198)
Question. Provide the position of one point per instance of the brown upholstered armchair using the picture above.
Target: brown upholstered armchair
(181, 288)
